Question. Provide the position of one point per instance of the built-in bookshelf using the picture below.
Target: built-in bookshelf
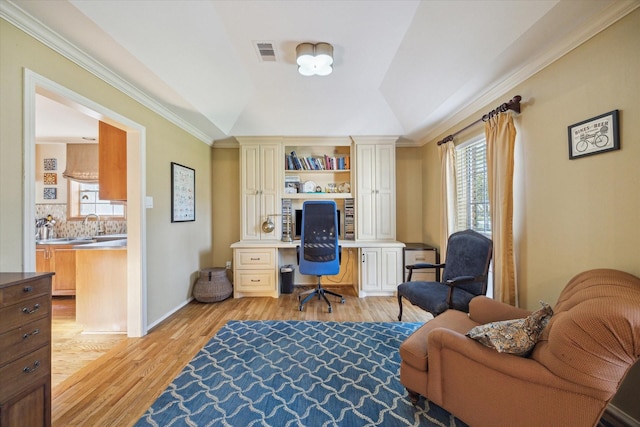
(317, 171)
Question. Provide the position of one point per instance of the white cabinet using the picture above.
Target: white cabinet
(260, 183)
(376, 188)
(380, 270)
(254, 272)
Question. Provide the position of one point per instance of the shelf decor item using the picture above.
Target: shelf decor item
(594, 136)
(183, 193)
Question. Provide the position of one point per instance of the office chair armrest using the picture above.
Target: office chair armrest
(419, 266)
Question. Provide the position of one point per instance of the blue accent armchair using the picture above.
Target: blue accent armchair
(465, 276)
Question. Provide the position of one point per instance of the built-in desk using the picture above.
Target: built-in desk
(370, 267)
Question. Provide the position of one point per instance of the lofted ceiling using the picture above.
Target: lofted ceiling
(410, 69)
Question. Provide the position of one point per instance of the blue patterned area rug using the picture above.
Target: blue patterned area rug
(296, 373)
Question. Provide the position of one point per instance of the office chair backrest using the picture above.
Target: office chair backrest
(468, 254)
(319, 239)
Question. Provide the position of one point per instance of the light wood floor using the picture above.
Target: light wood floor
(118, 387)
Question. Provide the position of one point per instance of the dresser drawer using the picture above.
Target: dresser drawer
(25, 372)
(20, 341)
(25, 312)
(255, 258)
(23, 291)
(254, 280)
(415, 257)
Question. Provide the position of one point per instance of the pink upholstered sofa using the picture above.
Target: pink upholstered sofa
(574, 370)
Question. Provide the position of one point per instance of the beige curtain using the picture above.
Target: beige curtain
(447, 195)
(500, 133)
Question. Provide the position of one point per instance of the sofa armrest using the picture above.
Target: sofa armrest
(485, 310)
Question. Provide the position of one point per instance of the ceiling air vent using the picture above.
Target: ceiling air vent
(266, 51)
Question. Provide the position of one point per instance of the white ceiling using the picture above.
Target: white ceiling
(405, 68)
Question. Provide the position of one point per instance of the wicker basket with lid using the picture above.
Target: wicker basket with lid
(213, 285)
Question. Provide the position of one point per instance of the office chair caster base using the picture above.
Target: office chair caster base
(301, 307)
(342, 301)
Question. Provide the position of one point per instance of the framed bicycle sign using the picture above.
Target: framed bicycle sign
(594, 136)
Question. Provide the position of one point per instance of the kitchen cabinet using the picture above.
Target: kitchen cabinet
(260, 183)
(380, 270)
(60, 259)
(376, 188)
(112, 162)
(25, 349)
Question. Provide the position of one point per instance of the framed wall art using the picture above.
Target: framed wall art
(183, 193)
(594, 136)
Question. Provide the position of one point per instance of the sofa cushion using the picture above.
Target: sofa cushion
(517, 336)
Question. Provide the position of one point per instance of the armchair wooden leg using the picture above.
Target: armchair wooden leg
(400, 307)
(413, 396)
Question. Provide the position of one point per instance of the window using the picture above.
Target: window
(471, 187)
(84, 200)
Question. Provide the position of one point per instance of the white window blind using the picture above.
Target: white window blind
(471, 187)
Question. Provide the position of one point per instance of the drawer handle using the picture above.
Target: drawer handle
(28, 370)
(255, 280)
(27, 289)
(35, 332)
(254, 259)
(27, 311)
(421, 258)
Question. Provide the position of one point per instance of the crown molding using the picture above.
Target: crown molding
(36, 29)
(609, 16)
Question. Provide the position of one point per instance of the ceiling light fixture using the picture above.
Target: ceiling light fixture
(314, 59)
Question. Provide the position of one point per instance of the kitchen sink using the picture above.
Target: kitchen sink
(107, 237)
(66, 241)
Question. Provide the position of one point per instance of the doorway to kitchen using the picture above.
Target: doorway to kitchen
(135, 135)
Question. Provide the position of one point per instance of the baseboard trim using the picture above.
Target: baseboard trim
(168, 314)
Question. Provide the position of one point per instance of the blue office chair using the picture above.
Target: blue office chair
(319, 252)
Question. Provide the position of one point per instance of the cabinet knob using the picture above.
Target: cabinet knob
(27, 289)
(26, 310)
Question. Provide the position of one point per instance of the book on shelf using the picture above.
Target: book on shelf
(318, 162)
(349, 219)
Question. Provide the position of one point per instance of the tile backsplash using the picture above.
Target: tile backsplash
(64, 228)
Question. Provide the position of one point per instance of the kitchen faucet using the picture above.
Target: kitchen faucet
(97, 217)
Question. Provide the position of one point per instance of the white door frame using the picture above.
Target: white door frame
(136, 188)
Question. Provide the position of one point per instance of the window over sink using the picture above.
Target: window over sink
(84, 200)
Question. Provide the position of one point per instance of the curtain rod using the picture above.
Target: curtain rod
(513, 104)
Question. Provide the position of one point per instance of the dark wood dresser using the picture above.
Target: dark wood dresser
(25, 349)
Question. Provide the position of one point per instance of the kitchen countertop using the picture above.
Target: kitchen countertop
(108, 244)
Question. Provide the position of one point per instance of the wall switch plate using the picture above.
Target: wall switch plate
(228, 265)
(148, 202)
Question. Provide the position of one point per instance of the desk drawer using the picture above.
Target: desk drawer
(25, 372)
(255, 280)
(23, 340)
(419, 256)
(255, 258)
(25, 312)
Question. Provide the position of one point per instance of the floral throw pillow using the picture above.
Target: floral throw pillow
(517, 336)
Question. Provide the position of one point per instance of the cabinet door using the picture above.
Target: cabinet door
(250, 187)
(43, 262)
(271, 161)
(112, 162)
(385, 186)
(369, 269)
(390, 268)
(366, 191)
(64, 260)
